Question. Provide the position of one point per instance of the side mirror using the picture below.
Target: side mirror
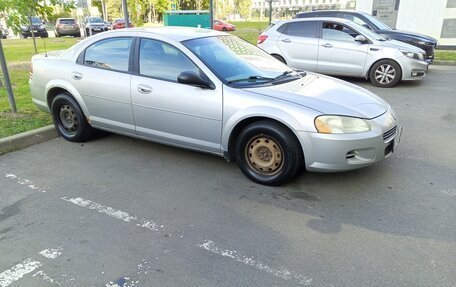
(361, 39)
(193, 79)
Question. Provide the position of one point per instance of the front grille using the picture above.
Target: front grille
(389, 134)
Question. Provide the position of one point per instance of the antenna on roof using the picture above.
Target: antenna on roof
(44, 43)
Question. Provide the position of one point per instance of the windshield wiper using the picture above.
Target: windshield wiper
(287, 73)
(251, 79)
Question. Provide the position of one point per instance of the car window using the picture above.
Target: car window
(354, 18)
(302, 29)
(163, 61)
(110, 54)
(66, 21)
(337, 32)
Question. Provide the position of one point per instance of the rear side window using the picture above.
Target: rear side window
(109, 54)
(302, 29)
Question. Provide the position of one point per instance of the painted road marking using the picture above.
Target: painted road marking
(51, 253)
(25, 267)
(237, 256)
(23, 181)
(18, 271)
(115, 213)
(46, 278)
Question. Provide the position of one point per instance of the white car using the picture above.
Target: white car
(341, 47)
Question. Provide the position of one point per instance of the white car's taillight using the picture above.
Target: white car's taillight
(261, 39)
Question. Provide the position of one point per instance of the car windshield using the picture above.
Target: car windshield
(96, 20)
(380, 25)
(36, 21)
(66, 21)
(238, 62)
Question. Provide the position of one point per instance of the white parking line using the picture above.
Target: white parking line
(235, 255)
(18, 271)
(24, 181)
(46, 278)
(115, 213)
(51, 253)
(27, 266)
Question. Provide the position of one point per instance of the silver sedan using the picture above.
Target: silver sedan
(213, 92)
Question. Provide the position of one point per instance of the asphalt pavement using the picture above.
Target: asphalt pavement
(117, 211)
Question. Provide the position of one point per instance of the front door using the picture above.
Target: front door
(339, 53)
(168, 111)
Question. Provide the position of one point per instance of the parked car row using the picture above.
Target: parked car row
(343, 47)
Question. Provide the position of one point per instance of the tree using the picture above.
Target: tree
(17, 12)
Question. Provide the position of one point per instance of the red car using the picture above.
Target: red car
(219, 25)
(119, 23)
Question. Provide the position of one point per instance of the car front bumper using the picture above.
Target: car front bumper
(412, 69)
(342, 152)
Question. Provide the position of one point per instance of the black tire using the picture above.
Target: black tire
(78, 35)
(280, 58)
(69, 120)
(385, 73)
(224, 29)
(56, 34)
(268, 153)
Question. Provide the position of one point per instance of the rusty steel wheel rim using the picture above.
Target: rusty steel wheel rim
(264, 155)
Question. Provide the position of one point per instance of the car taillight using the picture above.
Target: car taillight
(261, 39)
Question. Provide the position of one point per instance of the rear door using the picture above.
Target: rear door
(102, 76)
(339, 53)
(299, 44)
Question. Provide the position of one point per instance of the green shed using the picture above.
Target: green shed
(188, 18)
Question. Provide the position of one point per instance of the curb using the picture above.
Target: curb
(27, 139)
(445, 63)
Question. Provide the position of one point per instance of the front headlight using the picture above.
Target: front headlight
(416, 56)
(340, 125)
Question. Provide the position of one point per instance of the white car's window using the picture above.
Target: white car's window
(338, 32)
(302, 29)
(110, 54)
(163, 61)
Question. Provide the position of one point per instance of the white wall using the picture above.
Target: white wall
(425, 17)
(364, 6)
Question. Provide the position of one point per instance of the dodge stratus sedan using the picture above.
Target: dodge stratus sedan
(210, 91)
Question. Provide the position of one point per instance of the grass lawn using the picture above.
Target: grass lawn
(18, 54)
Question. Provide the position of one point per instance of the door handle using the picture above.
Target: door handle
(76, 76)
(143, 89)
(286, 40)
(327, 45)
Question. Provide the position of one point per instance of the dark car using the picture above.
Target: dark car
(66, 27)
(37, 27)
(424, 42)
(3, 32)
(94, 25)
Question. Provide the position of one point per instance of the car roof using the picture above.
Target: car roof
(178, 34)
(341, 20)
(333, 11)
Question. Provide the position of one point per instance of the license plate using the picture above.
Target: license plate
(97, 29)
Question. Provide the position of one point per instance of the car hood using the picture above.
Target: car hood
(395, 34)
(328, 96)
(401, 46)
